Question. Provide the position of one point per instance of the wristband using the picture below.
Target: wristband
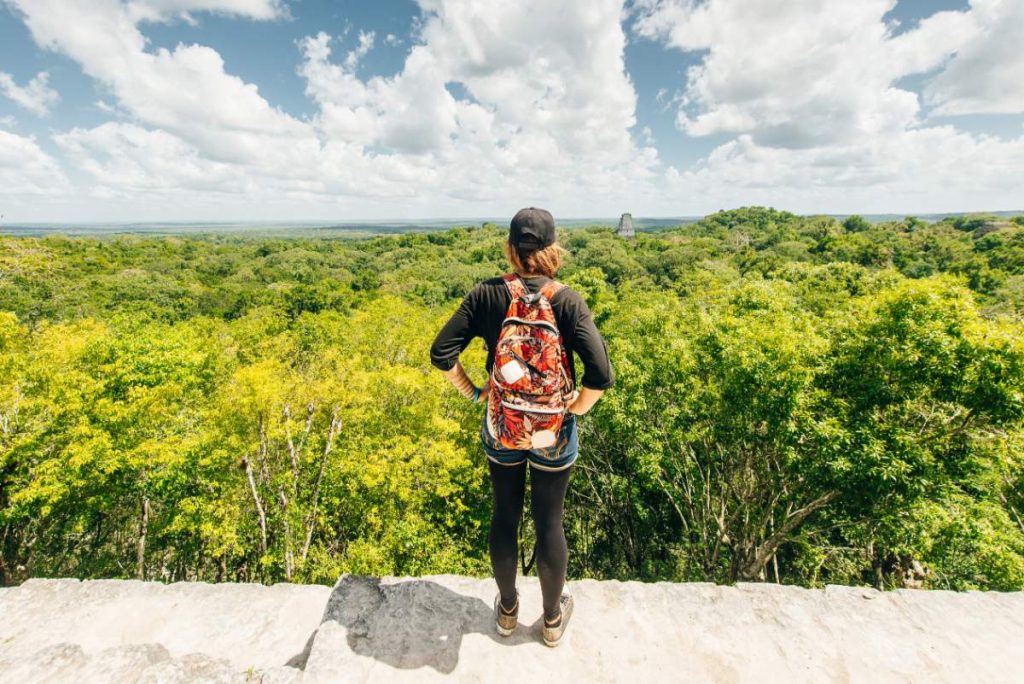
(476, 394)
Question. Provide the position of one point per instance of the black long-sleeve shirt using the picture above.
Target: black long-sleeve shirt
(483, 310)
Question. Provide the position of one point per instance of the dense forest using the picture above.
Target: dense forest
(797, 399)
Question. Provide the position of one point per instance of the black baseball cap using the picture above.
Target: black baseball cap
(531, 229)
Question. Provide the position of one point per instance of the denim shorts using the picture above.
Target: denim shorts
(559, 456)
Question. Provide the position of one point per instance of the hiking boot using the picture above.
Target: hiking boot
(553, 630)
(505, 621)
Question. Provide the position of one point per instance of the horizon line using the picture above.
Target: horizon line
(472, 219)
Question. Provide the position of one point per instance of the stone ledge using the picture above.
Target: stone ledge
(440, 627)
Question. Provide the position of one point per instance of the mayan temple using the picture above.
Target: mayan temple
(626, 226)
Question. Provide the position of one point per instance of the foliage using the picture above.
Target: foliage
(797, 400)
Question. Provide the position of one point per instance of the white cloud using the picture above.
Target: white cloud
(161, 10)
(550, 103)
(987, 74)
(37, 96)
(128, 158)
(921, 171)
(185, 91)
(411, 113)
(365, 45)
(809, 92)
(25, 169)
(503, 104)
(548, 115)
(799, 74)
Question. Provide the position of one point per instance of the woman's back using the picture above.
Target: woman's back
(483, 310)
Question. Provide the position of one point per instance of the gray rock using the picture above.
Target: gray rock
(282, 675)
(440, 627)
(150, 663)
(238, 628)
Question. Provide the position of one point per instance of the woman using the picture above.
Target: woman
(535, 257)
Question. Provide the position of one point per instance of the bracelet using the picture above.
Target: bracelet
(476, 394)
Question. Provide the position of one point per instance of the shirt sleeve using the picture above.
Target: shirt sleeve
(456, 334)
(592, 350)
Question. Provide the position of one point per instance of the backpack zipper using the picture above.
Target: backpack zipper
(530, 410)
(545, 324)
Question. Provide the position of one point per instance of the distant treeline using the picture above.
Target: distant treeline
(798, 399)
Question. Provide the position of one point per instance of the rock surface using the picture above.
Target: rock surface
(441, 628)
(112, 630)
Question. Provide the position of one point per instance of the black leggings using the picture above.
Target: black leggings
(547, 499)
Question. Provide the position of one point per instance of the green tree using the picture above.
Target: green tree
(856, 224)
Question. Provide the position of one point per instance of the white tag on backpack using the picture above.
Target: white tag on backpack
(512, 371)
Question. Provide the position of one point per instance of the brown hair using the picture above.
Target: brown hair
(545, 261)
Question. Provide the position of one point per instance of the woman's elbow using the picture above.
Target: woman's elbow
(441, 363)
(599, 382)
(441, 358)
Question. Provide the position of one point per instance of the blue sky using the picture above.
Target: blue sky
(311, 110)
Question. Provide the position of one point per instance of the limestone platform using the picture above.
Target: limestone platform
(440, 628)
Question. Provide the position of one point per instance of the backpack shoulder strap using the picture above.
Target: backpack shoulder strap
(515, 285)
(551, 288)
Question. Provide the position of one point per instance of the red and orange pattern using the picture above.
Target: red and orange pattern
(521, 414)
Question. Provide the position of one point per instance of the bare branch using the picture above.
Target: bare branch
(771, 545)
(259, 504)
(332, 433)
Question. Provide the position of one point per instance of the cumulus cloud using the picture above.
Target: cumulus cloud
(549, 103)
(498, 104)
(161, 10)
(544, 106)
(366, 39)
(129, 158)
(809, 93)
(922, 170)
(185, 91)
(985, 76)
(36, 96)
(799, 74)
(25, 169)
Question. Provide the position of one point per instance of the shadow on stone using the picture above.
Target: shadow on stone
(299, 660)
(410, 623)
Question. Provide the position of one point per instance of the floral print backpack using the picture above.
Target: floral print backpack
(530, 381)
